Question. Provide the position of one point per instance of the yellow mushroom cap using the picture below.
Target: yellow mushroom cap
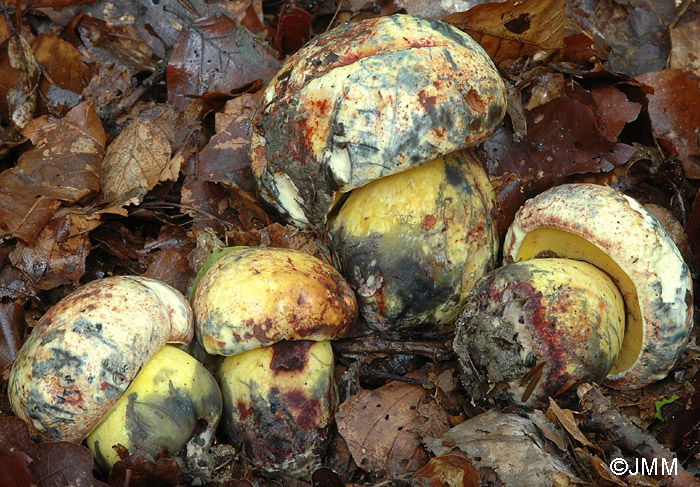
(597, 224)
(253, 297)
(367, 100)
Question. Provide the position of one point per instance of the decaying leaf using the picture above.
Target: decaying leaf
(62, 167)
(13, 329)
(21, 98)
(57, 255)
(510, 445)
(513, 28)
(378, 428)
(137, 160)
(51, 464)
(675, 117)
(685, 44)
(215, 54)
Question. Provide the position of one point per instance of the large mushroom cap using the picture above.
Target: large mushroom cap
(368, 100)
(601, 226)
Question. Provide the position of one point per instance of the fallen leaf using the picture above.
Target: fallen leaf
(57, 255)
(62, 167)
(514, 28)
(13, 331)
(215, 54)
(685, 47)
(490, 438)
(377, 426)
(172, 267)
(565, 417)
(22, 97)
(451, 470)
(675, 117)
(14, 468)
(64, 75)
(137, 160)
(293, 29)
(52, 464)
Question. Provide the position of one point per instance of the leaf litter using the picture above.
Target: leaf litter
(124, 138)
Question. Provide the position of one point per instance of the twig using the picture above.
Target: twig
(437, 350)
(606, 419)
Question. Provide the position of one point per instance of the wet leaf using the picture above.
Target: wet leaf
(52, 464)
(137, 160)
(490, 437)
(513, 28)
(57, 255)
(293, 29)
(451, 470)
(62, 167)
(378, 428)
(65, 75)
(674, 116)
(13, 330)
(216, 54)
(14, 468)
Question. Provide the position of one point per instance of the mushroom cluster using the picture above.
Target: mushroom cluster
(537, 326)
(363, 132)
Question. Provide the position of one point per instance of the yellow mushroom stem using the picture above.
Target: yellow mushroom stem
(173, 400)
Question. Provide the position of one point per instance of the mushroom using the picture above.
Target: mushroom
(271, 312)
(612, 231)
(89, 348)
(173, 403)
(537, 328)
(414, 243)
(366, 101)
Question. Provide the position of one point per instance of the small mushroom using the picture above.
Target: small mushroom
(174, 403)
(537, 328)
(271, 312)
(600, 226)
(88, 348)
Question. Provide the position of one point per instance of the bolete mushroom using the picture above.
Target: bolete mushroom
(271, 312)
(372, 100)
(612, 231)
(536, 328)
(414, 243)
(89, 348)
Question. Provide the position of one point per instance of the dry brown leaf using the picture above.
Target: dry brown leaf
(13, 330)
(685, 44)
(58, 254)
(515, 28)
(64, 166)
(65, 74)
(378, 425)
(450, 470)
(491, 437)
(565, 417)
(137, 160)
(22, 97)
